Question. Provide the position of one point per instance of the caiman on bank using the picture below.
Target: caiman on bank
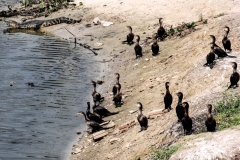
(37, 24)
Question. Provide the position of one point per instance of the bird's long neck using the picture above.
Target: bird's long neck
(85, 118)
(88, 109)
(234, 69)
(209, 116)
(167, 90)
(139, 112)
(185, 112)
(213, 40)
(160, 23)
(138, 40)
(180, 100)
(117, 80)
(209, 110)
(226, 34)
(130, 29)
(94, 87)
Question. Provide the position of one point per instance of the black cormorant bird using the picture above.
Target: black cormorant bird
(91, 124)
(138, 48)
(130, 36)
(216, 49)
(235, 75)
(161, 30)
(186, 120)
(92, 116)
(101, 111)
(210, 57)
(143, 121)
(118, 97)
(210, 122)
(114, 89)
(226, 42)
(179, 108)
(155, 48)
(96, 96)
(168, 98)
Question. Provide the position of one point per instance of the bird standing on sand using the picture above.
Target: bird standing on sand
(138, 48)
(155, 48)
(143, 121)
(118, 97)
(161, 31)
(210, 57)
(235, 75)
(114, 89)
(186, 120)
(225, 41)
(210, 122)
(91, 124)
(130, 36)
(179, 108)
(96, 96)
(168, 98)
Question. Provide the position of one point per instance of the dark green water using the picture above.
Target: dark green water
(40, 122)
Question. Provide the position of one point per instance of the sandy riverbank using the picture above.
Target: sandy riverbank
(180, 62)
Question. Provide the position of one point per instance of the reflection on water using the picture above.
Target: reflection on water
(27, 31)
(40, 122)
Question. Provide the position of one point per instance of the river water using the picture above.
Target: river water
(40, 122)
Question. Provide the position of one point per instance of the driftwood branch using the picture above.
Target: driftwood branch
(81, 44)
(88, 47)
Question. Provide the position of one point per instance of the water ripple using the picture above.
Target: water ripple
(39, 122)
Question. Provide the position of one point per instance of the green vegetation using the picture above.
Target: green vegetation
(45, 5)
(228, 111)
(164, 153)
(25, 3)
(219, 15)
(42, 7)
(184, 26)
(137, 158)
(191, 25)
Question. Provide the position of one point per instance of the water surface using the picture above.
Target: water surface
(40, 122)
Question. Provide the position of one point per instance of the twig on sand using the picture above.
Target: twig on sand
(81, 44)
(73, 36)
(87, 47)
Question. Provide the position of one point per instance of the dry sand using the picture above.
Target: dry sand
(180, 62)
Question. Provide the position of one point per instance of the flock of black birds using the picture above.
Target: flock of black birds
(93, 120)
(182, 108)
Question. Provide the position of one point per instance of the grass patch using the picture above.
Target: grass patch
(228, 111)
(164, 153)
(219, 15)
(180, 28)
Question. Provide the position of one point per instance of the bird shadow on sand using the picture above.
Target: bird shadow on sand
(231, 56)
(209, 65)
